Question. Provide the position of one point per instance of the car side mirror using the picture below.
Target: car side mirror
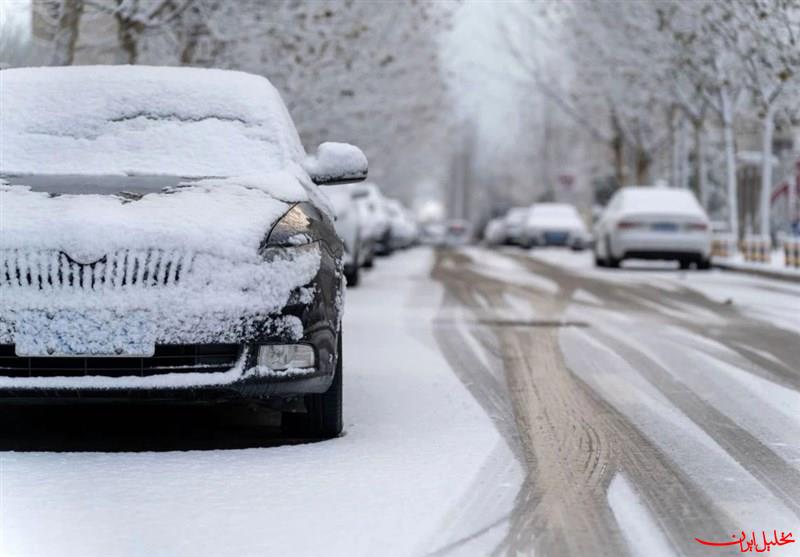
(336, 163)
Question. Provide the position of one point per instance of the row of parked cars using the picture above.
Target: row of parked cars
(541, 224)
(369, 225)
(639, 222)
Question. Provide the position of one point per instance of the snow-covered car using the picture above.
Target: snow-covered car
(373, 211)
(402, 226)
(432, 233)
(458, 232)
(653, 223)
(494, 234)
(555, 224)
(163, 238)
(350, 228)
(515, 225)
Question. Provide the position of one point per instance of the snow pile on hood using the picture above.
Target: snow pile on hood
(228, 217)
(142, 120)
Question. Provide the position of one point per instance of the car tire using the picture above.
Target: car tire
(611, 261)
(323, 416)
(369, 262)
(684, 263)
(352, 275)
(704, 264)
(599, 261)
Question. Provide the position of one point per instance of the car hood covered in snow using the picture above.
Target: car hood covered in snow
(228, 217)
(187, 256)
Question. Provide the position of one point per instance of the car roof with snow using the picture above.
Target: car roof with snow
(555, 214)
(517, 214)
(553, 209)
(105, 120)
(644, 199)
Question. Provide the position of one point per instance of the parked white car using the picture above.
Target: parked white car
(458, 232)
(402, 225)
(432, 233)
(349, 225)
(515, 225)
(653, 223)
(494, 234)
(555, 224)
(371, 209)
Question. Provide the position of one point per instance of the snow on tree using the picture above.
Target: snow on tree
(641, 73)
(360, 72)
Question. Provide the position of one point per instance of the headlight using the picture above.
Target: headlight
(293, 229)
(280, 357)
(303, 228)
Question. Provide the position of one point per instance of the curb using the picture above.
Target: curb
(765, 273)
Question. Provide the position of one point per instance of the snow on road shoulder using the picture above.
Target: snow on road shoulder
(415, 443)
(765, 299)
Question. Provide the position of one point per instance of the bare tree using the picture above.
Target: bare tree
(61, 21)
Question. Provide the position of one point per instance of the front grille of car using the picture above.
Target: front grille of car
(168, 358)
(45, 269)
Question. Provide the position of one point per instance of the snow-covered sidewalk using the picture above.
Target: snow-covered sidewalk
(416, 444)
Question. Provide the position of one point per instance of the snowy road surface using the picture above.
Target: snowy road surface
(654, 406)
(497, 402)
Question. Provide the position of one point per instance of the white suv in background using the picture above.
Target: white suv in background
(653, 223)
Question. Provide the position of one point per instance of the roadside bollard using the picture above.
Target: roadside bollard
(791, 253)
(756, 249)
(722, 245)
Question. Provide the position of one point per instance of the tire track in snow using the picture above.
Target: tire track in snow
(574, 442)
(782, 479)
(742, 334)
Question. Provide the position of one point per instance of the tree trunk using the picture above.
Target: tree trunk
(128, 33)
(617, 147)
(701, 173)
(683, 161)
(730, 161)
(673, 132)
(69, 19)
(643, 161)
(766, 170)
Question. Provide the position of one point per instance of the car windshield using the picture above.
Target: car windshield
(177, 121)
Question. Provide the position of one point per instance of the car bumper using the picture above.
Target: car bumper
(556, 237)
(655, 245)
(311, 316)
(245, 381)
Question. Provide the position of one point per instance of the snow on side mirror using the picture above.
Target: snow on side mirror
(336, 163)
